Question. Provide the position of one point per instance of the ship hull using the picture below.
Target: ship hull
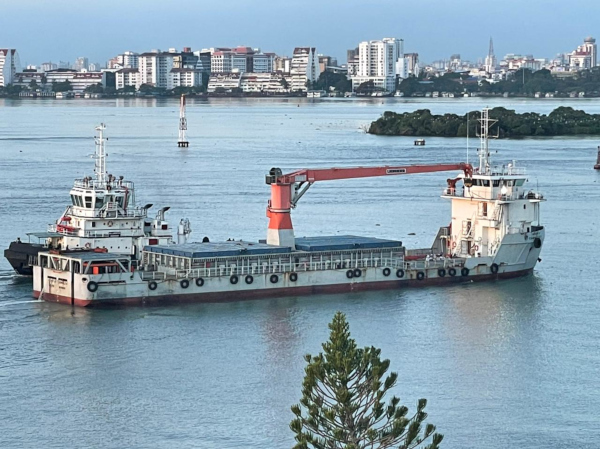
(253, 294)
(20, 254)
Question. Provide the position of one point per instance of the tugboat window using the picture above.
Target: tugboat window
(99, 202)
(88, 202)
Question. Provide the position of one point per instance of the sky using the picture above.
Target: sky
(44, 30)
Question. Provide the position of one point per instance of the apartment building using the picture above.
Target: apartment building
(304, 68)
(127, 77)
(185, 77)
(155, 68)
(9, 65)
(380, 61)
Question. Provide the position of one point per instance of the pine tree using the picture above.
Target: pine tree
(342, 405)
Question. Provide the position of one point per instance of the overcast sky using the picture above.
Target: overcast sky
(44, 30)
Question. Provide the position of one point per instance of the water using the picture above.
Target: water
(503, 364)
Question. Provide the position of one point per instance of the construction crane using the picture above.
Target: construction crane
(286, 190)
(182, 142)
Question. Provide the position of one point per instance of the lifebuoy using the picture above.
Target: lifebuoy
(233, 279)
(88, 245)
(494, 268)
(184, 283)
(357, 272)
(92, 286)
(441, 272)
(152, 285)
(249, 279)
(452, 271)
(400, 273)
(420, 275)
(274, 279)
(475, 247)
(537, 242)
(109, 224)
(464, 271)
(453, 244)
(386, 271)
(293, 277)
(199, 282)
(349, 274)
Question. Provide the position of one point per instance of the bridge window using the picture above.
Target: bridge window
(88, 202)
(120, 201)
(99, 202)
(73, 200)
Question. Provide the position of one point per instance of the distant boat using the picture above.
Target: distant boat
(420, 142)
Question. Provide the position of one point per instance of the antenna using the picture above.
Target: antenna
(468, 114)
(100, 155)
(182, 142)
(484, 151)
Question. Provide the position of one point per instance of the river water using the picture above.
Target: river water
(503, 364)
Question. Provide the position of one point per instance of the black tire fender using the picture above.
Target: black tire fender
(293, 277)
(92, 286)
(420, 275)
(452, 272)
(464, 271)
(442, 272)
(494, 268)
(184, 283)
(274, 279)
(199, 282)
(233, 279)
(400, 273)
(349, 274)
(386, 271)
(249, 279)
(357, 272)
(152, 285)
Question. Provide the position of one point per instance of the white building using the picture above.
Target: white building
(129, 60)
(25, 78)
(381, 62)
(81, 64)
(82, 80)
(127, 77)
(47, 66)
(304, 68)
(225, 81)
(273, 83)
(263, 62)
(585, 57)
(221, 61)
(185, 77)
(9, 65)
(60, 75)
(282, 65)
(155, 68)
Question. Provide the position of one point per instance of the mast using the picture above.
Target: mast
(100, 155)
(484, 150)
(182, 142)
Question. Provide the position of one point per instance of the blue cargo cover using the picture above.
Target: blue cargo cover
(217, 249)
(342, 242)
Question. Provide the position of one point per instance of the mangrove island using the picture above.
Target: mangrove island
(563, 121)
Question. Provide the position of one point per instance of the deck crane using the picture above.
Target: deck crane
(286, 190)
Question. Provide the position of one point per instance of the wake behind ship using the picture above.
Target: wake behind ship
(495, 232)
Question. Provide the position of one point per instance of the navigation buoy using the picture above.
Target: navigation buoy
(182, 142)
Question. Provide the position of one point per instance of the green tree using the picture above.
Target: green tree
(33, 85)
(342, 403)
(94, 89)
(147, 89)
(64, 86)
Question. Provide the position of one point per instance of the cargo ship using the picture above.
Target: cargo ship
(103, 215)
(494, 232)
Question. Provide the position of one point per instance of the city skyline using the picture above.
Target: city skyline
(539, 28)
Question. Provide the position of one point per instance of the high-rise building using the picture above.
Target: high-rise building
(81, 63)
(304, 68)
(155, 68)
(9, 65)
(586, 55)
(380, 62)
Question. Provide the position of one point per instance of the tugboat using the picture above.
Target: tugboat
(102, 216)
(495, 232)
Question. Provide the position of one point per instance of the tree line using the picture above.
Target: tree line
(562, 121)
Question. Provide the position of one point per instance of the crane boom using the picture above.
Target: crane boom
(287, 189)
